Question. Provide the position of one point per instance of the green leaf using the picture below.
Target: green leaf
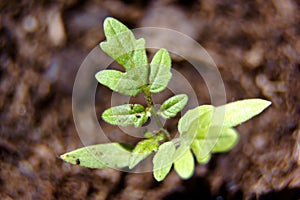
(198, 125)
(163, 160)
(122, 46)
(199, 128)
(127, 114)
(110, 155)
(148, 135)
(130, 83)
(201, 154)
(215, 140)
(116, 81)
(189, 136)
(227, 139)
(197, 148)
(173, 105)
(142, 150)
(184, 163)
(160, 73)
(190, 116)
(240, 111)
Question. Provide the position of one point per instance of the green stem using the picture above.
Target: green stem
(156, 118)
(154, 113)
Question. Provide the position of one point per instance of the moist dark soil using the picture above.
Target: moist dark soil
(255, 44)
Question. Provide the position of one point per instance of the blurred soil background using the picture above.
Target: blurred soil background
(255, 44)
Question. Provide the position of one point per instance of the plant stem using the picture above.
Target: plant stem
(156, 118)
(154, 113)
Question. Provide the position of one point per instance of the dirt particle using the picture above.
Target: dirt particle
(30, 24)
(56, 29)
(254, 57)
(259, 141)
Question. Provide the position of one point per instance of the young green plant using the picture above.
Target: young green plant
(203, 130)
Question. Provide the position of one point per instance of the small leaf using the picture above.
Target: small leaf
(129, 83)
(138, 74)
(184, 163)
(163, 160)
(116, 81)
(197, 148)
(240, 111)
(201, 154)
(226, 140)
(110, 155)
(122, 46)
(215, 140)
(189, 136)
(190, 116)
(142, 150)
(148, 135)
(126, 114)
(197, 126)
(173, 105)
(109, 78)
(160, 73)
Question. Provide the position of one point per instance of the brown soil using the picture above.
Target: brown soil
(256, 45)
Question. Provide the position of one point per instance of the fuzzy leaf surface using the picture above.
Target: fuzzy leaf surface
(129, 83)
(163, 160)
(116, 81)
(160, 71)
(190, 116)
(173, 105)
(122, 46)
(125, 115)
(197, 126)
(214, 140)
(142, 150)
(109, 155)
(184, 163)
(240, 111)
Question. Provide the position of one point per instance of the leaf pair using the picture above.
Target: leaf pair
(166, 155)
(207, 129)
(122, 46)
(117, 156)
(143, 149)
(137, 115)
(134, 79)
(127, 114)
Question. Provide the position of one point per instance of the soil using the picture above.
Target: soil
(255, 44)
